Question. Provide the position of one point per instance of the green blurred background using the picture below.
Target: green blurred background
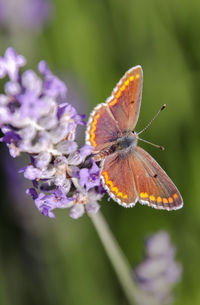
(90, 45)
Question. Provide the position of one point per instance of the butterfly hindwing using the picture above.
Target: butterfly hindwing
(153, 185)
(136, 176)
(117, 178)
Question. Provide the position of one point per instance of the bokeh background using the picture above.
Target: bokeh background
(90, 44)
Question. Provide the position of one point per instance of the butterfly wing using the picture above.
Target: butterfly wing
(118, 180)
(125, 101)
(120, 113)
(102, 128)
(135, 176)
(153, 185)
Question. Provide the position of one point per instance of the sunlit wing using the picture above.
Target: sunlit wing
(153, 185)
(118, 179)
(120, 113)
(125, 101)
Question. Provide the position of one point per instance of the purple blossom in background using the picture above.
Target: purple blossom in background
(159, 272)
(28, 14)
(36, 119)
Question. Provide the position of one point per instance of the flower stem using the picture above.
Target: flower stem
(120, 263)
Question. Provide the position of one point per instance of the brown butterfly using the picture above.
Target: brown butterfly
(128, 172)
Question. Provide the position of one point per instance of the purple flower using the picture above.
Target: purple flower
(84, 202)
(32, 173)
(32, 192)
(10, 64)
(159, 271)
(53, 86)
(77, 211)
(35, 122)
(85, 150)
(26, 14)
(11, 137)
(90, 178)
(45, 204)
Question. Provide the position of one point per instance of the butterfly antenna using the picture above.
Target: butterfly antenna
(147, 126)
(155, 145)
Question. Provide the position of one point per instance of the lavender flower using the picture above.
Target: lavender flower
(36, 119)
(24, 13)
(158, 273)
(90, 177)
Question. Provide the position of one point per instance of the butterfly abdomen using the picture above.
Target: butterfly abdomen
(105, 152)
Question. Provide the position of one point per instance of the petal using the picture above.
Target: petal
(76, 211)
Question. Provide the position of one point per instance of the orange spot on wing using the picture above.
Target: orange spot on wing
(175, 196)
(118, 94)
(159, 199)
(104, 173)
(120, 90)
(152, 198)
(109, 182)
(113, 188)
(170, 199)
(137, 76)
(123, 88)
(127, 82)
(93, 128)
(165, 200)
(144, 195)
(113, 102)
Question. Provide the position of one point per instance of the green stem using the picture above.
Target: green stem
(120, 263)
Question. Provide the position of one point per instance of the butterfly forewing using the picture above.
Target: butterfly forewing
(120, 113)
(102, 128)
(125, 100)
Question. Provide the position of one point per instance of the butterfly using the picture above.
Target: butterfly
(128, 172)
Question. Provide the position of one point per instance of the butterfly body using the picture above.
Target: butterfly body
(123, 144)
(128, 172)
